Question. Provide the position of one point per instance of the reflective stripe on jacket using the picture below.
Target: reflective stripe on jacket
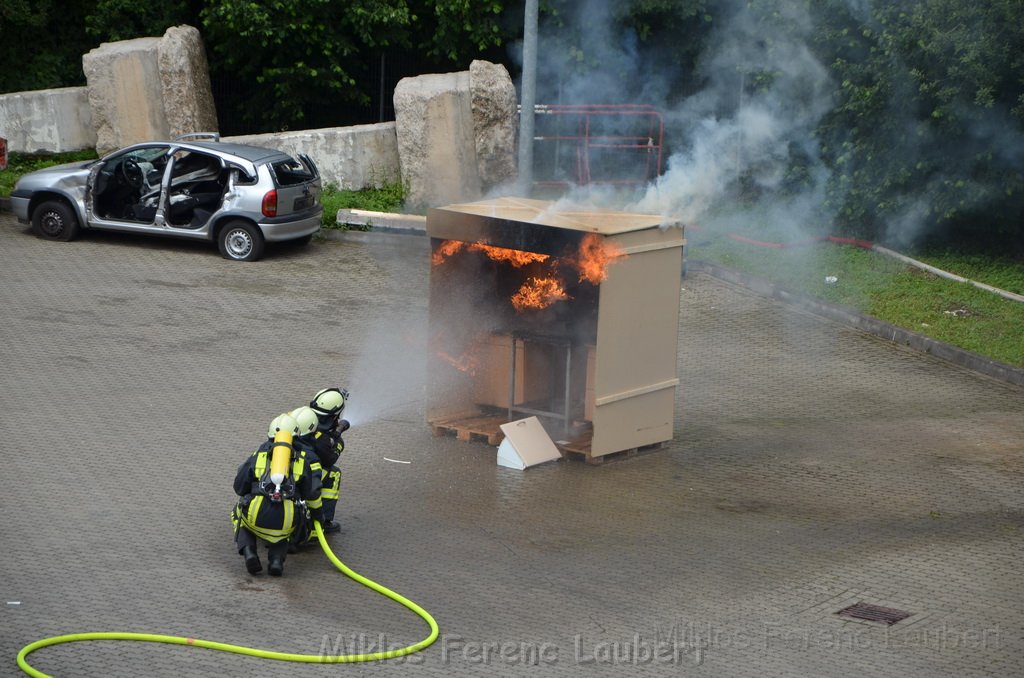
(268, 520)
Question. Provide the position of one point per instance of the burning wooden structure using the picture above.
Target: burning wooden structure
(566, 314)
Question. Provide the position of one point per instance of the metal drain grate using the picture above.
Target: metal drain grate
(885, 615)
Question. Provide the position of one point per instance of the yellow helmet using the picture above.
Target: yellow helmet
(306, 420)
(329, 401)
(283, 422)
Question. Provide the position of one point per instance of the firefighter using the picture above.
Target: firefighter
(328, 404)
(309, 440)
(278, 485)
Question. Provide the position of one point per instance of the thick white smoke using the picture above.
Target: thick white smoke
(737, 131)
(763, 94)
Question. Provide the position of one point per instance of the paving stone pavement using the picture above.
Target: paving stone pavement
(814, 467)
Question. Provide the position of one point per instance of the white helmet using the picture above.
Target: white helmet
(284, 422)
(330, 401)
(306, 419)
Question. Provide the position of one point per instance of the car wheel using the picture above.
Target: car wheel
(55, 220)
(240, 241)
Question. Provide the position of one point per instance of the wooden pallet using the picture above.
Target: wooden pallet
(579, 448)
(481, 427)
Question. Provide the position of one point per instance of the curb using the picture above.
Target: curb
(879, 328)
(384, 222)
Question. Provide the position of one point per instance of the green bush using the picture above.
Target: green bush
(386, 199)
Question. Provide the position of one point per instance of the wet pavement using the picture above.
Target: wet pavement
(814, 467)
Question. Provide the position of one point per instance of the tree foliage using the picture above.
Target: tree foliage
(42, 41)
(112, 20)
(927, 134)
(456, 30)
(295, 57)
(41, 44)
(621, 49)
(303, 59)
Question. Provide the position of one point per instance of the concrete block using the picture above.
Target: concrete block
(185, 82)
(149, 88)
(47, 121)
(434, 122)
(125, 94)
(352, 158)
(495, 123)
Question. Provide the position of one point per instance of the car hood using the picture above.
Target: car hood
(51, 177)
(66, 168)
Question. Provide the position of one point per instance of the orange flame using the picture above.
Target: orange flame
(539, 293)
(591, 260)
(467, 362)
(516, 258)
(445, 250)
(594, 256)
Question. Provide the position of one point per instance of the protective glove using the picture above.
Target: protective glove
(342, 426)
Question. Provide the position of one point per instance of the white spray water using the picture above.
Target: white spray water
(387, 381)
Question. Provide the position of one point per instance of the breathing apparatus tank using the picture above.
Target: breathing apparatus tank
(283, 430)
(280, 456)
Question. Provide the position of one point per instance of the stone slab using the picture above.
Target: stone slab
(434, 121)
(352, 158)
(47, 121)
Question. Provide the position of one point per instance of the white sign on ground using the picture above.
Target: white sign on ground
(526, 444)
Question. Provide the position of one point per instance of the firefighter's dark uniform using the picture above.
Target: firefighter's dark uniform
(328, 446)
(259, 516)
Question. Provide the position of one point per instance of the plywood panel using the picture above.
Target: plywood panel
(633, 422)
(542, 213)
(638, 322)
(495, 359)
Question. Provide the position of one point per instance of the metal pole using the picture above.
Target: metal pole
(512, 377)
(568, 388)
(528, 98)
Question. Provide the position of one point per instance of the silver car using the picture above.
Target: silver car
(193, 187)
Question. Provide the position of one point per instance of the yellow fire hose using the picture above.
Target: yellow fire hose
(251, 651)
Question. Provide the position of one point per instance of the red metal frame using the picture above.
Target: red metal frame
(648, 135)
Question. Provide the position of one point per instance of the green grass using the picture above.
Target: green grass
(890, 290)
(386, 199)
(1003, 273)
(22, 163)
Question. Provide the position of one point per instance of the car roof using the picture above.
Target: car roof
(254, 154)
(251, 154)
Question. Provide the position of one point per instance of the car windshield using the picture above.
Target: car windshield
(148, 154)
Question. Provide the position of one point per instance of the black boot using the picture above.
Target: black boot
(252, 560)
(331, 526)
(275, 567)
